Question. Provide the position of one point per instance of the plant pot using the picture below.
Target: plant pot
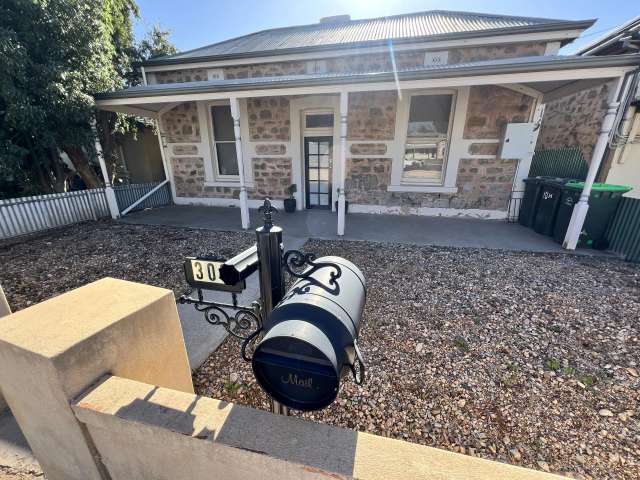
(289, 205)
(346, 206)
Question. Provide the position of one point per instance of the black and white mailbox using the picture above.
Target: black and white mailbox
(310, 338)
(304, 340)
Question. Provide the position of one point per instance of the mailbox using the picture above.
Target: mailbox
(310, 337)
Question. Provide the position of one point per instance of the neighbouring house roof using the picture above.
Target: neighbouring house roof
(623, 39)
(489, 67)
(431, 25)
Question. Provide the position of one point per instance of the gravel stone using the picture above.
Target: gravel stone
(491, 323)
(39, 267)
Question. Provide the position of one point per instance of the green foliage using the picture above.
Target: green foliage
(461, 343)
(292, 189)
(552, 364)
(55, 56)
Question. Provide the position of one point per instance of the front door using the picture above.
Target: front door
(317, 160)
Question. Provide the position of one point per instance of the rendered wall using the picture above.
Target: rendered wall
(4, 311)
(625, 161)
(146, 432)
(52, 351)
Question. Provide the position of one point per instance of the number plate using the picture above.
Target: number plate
(205, 274)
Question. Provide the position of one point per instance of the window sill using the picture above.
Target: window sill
(422, 189)
(226, 183)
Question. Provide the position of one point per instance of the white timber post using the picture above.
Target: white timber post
(165, 164)
(244, 207)
(579, 214)
(344, 110)
(108, 188)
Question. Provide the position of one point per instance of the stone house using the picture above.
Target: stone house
(432, 113)
(574, 119)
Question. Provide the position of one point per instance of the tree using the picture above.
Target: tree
(55, 54)
(113, 128)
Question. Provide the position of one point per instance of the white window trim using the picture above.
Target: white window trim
(217, 177)
(402, 127)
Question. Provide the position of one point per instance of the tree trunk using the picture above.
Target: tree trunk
(82, 166)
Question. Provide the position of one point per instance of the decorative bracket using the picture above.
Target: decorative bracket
(244, 323)
(302, 265)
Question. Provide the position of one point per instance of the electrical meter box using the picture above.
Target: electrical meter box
(518, 140)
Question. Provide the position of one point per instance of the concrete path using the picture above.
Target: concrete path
(410, 229)
(14, 449)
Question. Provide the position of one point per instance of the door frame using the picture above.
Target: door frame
(305, 140)
(298, 109)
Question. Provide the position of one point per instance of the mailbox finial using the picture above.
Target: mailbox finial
(267, 209)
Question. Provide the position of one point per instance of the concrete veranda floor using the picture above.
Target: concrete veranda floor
(412, 229)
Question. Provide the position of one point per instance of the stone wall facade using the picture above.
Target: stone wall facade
(271, 177)
(274, 69)
(575, 120)
(179, 76)
(181, 125)
(510, 50)
(482, 184)
(372, 115)
(356, 63)
(368, 149)
(490, 109)
(271, 149)
(269, 118)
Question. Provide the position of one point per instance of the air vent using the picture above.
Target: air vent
(336, 19)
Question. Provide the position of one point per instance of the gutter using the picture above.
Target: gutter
(561, 63)
(547, 27)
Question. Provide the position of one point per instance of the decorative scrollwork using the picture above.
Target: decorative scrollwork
(302, 265)
(242, 324)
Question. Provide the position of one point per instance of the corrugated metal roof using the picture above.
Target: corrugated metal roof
(626, 30)
(433, 23)
(498, 66)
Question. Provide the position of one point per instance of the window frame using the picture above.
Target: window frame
(217, 176)
(398, 183)
(405, 122)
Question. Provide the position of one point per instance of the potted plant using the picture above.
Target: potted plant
(290, 203)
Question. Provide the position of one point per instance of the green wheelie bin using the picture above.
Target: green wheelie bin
(603, 203)
(548, 202)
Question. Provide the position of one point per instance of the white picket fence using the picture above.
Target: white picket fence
(20, 216)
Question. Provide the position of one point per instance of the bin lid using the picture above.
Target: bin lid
(598, 187)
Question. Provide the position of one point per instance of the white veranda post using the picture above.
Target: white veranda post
(344, 106)
(108, 188)
(244, 207)
(581, 208)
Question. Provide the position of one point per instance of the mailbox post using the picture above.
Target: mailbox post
(305, 339)
(269, 243)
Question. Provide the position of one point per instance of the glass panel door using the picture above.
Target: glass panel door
(317, 155)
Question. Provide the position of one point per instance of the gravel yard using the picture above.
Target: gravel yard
(36, 268)
(531, 359)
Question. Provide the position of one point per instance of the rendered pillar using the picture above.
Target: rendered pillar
(53, 351)
(244, 207)
(4, 311)
(344, 107)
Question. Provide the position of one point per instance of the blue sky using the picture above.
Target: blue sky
(196, 23)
